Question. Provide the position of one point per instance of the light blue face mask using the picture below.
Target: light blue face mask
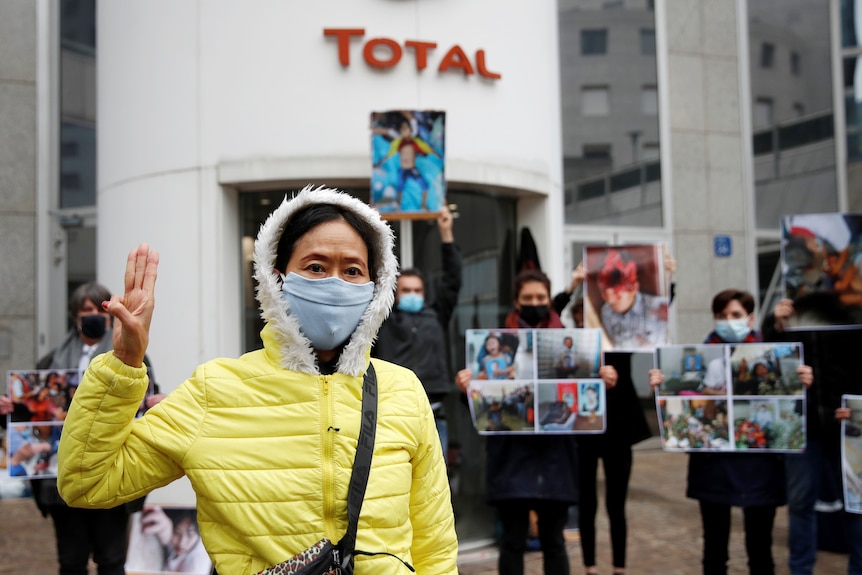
(411, 302)
(732, 330)
(328, 310)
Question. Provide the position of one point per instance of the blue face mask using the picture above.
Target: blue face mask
(411, 302)
(732, 330)
(328, 309)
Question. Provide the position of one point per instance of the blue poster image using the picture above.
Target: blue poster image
(407, 153)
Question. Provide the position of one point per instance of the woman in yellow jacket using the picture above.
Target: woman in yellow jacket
(268, 440)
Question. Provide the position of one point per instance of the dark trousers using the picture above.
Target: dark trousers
(618, 470)
(81, 532)
(716, 536)
(515, 518)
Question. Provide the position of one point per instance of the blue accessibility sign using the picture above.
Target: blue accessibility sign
(723, 246)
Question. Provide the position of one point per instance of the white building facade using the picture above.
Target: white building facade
(586, 121)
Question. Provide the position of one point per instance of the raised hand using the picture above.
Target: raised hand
(444, 222)
(134, 311)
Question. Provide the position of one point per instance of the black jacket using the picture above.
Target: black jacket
(831, 353)
(626, 422)
(418, 340)
(531, 467)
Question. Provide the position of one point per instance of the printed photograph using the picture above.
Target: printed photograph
(502, 406)
(166, 540)
(693, 424)
(625, 295)
(568, 353)
(41, 395)
(408, 165)
(768, 423)
(766, 369)
(576, 406)
(822, 253)
(693, 370)
(851, 453)
(31, 449)
(500, 354)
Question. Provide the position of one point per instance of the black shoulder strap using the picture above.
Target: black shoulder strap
(361, 465)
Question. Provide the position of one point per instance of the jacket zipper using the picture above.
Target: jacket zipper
(328, 450)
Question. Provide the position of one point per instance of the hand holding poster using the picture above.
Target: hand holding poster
(740, 397)
(535, 381)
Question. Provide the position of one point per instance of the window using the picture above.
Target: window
(647, 41)
(78, 25)
(795, 63)
(649, 101)
(651, 152)
(594, 101)
(594, 42)
(762, 113)
(767, 55)
(597, 152)
(70, 181)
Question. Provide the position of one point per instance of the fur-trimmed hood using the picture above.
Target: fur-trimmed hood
(294, 349)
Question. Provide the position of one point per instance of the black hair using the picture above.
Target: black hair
(531, 275)
(312, 216)
(95, 292)
(722, 298)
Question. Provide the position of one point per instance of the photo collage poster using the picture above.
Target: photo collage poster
(41, 399)
(743, 397)
(822, 253)
(851, 453)
(166, 539)
(408, 163)
(535, 381)
(625, 295)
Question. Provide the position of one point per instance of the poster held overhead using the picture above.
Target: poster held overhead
(626, 296)
(408, 163)
(821, 258)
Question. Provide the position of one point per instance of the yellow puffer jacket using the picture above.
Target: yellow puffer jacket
(262, 495)
(268, 443)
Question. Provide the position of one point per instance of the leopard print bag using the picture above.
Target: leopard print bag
(319, 559)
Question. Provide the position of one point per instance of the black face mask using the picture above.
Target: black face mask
(533, 314)
(93, 326)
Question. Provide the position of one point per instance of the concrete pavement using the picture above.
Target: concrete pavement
(664, 529)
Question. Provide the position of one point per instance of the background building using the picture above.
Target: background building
(696, 124)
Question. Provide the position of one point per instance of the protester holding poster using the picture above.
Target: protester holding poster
(626, 426)
(815, 473)
(532, 472)
(720, 481)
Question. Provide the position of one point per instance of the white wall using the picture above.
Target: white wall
(197, 99)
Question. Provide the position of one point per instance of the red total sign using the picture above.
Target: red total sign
(454, 59)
